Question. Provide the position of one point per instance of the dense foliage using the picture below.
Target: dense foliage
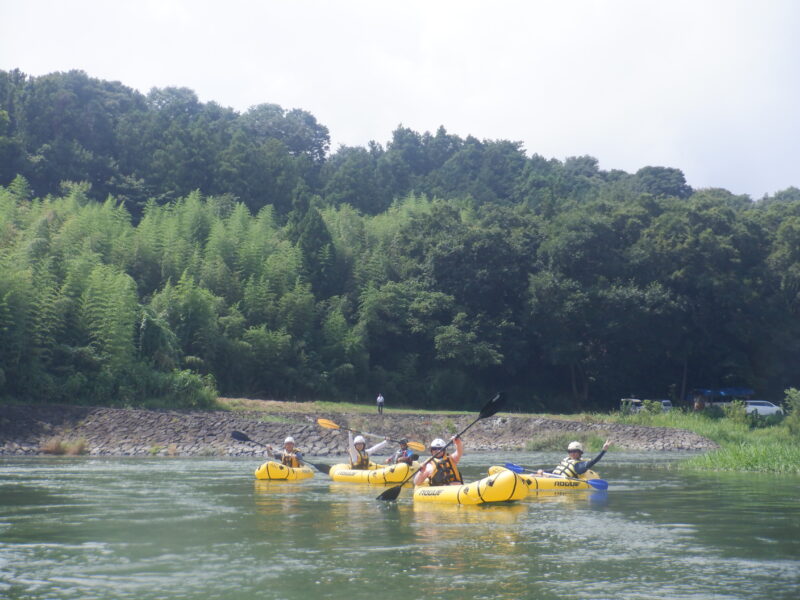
(156, 247)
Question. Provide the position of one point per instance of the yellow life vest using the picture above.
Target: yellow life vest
(290, 460)
(445, 471)
(363, 461)
(567, 468)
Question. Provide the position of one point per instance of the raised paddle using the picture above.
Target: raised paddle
(598, 484)
(328, 424)
(488, 410)
(240, 436)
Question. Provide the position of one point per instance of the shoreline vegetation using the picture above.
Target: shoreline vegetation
(746, 443)
(735, 441)
(157, 251)
(156, 248)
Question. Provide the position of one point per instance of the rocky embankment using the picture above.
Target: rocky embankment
(98, 431)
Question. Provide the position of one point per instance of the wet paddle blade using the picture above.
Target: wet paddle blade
(515, 468)
(327, 424)
(391, 494)
(418, 446)
(240, 436)
(598, 484)
(321, 467)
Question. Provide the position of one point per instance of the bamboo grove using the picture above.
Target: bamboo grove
(157, 250)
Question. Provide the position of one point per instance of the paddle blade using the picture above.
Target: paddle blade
(598, 484)
(327, 424)
(493, 406)
(321, 467)
(391, 494)
(515, 468)
(418, 446)
(240, 436)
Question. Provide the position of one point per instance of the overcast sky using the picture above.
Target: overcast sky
(706, 86)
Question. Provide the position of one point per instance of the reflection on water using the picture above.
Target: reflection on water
(570, 497)
(79, 528)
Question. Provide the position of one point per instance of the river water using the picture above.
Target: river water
(199, 528)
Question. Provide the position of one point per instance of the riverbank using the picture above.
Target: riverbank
(103, 431)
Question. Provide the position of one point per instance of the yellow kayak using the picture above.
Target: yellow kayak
(536, 483)
(376, 474)
(502, 486)
(273, 470)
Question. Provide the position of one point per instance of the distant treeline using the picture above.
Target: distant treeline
(158, 249)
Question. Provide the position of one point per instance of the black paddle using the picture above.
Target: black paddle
(490, 408)
(240, 436)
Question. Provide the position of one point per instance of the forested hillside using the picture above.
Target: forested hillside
(156, 248)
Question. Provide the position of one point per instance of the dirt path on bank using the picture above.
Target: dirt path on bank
(28, 429)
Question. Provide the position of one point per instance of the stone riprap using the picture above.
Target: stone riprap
(27, 429)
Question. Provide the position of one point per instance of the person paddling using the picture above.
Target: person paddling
(572, 465)
(289, 456)
(402, 455)
(359, 457)
(442, 468)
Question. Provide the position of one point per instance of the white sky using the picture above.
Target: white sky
(706, 86)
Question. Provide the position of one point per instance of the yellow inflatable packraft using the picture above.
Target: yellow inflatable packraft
(535, 483)
(376, 474)
(502, 486)
(276, 471)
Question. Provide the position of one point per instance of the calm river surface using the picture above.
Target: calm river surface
(141, 529)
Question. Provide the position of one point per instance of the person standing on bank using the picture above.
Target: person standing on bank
(379, 402)
(289, 456)
(572, 465)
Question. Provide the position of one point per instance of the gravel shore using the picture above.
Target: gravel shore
(31, 429)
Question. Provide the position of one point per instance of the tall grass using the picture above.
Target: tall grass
(58, 446)
(746, 443)
(765, 455)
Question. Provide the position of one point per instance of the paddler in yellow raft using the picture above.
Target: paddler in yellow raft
(289, 456)
(572, 465)
(359, 457)
(442, 468)
(402, 455)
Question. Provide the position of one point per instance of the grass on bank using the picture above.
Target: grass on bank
(59, 446)
(317, 407)
(747, 442)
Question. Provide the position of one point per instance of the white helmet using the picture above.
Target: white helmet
(359, 439)
(288, 440)
(438, 443)
(575, 446)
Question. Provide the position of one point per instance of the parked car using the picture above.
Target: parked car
(634, 405)
(630, 405)
(762, 408)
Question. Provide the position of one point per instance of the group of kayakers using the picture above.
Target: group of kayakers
(442, 467)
